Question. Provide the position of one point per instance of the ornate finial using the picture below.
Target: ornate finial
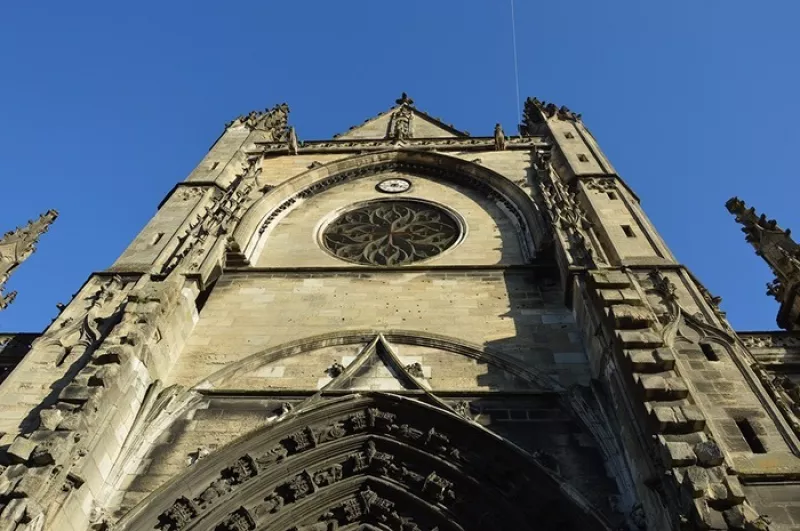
(781, 253)
(274, 121)
(16, 246)
(404, 100)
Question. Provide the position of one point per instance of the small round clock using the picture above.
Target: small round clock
(394, 186)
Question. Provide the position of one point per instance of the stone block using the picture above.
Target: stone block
(657, 387)
(693, 417)
(735, 490)
(676, 419)
(75, 394)
(104, 377)
(708, 454)
(629, 317)
(662, 417)
(49, 419)
(610, 297)
(21, 449)
(695, 481)
(633, 339)
(34, 482)
(650, 360)
(610, 279)
(677, 453)
(52, 447)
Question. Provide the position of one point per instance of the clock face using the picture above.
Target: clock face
(394, 186)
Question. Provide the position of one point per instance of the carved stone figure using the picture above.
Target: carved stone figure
(293, 147)
(499, 138)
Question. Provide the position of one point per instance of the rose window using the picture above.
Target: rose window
(391, 233)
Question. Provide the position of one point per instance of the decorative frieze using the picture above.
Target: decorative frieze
(443, 144)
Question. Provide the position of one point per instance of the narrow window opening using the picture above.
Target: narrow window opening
(755, 444)
(628, 231)
(156, 238)
(214, 165)
(582, 157)
(612, 196)
(569, 135)
(708, 351)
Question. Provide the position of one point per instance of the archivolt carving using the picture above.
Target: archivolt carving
(375, 460)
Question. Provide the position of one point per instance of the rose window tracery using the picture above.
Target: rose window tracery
(391, 233)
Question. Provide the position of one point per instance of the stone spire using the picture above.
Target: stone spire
(781, 253)
(16, 246)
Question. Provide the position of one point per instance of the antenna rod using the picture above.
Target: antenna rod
(516, 65)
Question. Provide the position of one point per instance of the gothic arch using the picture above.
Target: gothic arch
(278, 201)
(367, 461)
(349, 337)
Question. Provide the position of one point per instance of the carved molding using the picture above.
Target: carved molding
(205, 236)
(339, 459)
(567, 216)
(534, 378)
(423, 144)
(412, 168)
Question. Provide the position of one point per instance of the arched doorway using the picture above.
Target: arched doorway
(367, 461)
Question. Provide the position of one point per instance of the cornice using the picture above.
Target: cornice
(424, 144)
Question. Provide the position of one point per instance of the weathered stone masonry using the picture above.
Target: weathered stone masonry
(505, 342)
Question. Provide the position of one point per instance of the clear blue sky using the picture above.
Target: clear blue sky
(104, 106)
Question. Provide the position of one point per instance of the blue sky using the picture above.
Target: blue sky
(104, 106)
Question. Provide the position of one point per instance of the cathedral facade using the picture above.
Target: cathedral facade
(402, 328)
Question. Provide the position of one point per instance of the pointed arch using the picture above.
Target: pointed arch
(536, 378)
(369, 461)
(277, 202)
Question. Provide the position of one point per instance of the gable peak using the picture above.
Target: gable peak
(403, 120)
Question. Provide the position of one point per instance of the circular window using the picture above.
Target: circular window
(391, 233)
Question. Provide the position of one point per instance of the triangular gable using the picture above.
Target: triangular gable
(400, 122)
(377, 367)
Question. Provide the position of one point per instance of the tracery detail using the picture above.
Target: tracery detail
(391, 233)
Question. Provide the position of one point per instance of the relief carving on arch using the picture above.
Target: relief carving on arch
(373, 464)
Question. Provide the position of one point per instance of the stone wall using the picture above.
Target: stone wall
(513, 312)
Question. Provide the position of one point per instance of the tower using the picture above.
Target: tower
(404, 327)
